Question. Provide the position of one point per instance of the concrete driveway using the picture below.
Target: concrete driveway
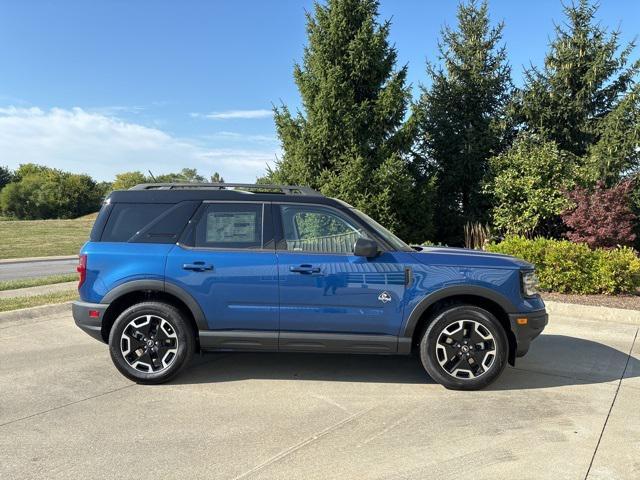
(570, 410)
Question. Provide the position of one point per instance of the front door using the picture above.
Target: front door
(227, 263)
(328, 292)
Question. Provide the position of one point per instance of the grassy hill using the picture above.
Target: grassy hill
(40, 238)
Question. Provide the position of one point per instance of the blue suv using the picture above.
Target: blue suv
(171, 269)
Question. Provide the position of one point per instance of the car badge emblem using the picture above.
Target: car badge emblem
(384, 297)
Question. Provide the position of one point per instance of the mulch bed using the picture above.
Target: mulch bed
(628, 302)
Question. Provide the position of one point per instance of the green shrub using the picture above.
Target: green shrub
(568, 267)
(617, 270)
(41, 193)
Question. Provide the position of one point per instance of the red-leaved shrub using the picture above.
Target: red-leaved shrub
(601, 217)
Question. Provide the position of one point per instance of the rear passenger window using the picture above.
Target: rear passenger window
(230, 225)
(127, 219)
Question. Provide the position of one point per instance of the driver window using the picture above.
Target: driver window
(318, 229)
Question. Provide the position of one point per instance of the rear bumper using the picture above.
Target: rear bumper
(84, 314)
(526, 327)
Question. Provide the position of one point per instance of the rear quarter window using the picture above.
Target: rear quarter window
(127, 219)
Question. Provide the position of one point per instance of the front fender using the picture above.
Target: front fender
(408, 328)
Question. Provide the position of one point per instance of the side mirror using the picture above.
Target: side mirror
(365, 247)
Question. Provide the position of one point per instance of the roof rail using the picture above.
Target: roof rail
(280, 189)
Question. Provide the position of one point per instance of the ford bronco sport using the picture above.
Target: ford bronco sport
(171, 269)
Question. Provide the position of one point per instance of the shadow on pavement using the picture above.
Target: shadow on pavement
(564, 360)
(554, 360)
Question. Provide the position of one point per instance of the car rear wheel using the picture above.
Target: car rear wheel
(464, 348)
(151, 342)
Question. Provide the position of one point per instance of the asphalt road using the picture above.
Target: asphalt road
(568, 411)
(41, 268)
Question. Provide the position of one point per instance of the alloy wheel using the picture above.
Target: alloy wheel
(149, 343)
(466, 349)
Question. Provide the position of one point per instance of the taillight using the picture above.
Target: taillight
(82, 269)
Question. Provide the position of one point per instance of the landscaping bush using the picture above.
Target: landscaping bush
(567, 267)
(617, 270)
(601, 217)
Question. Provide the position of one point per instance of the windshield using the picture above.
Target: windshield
(389, 237)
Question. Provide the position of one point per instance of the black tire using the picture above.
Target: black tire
(153, 352)
(464, 348)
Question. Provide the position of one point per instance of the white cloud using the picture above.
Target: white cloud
(111, 110)
(235, 114)
(100, 145)
(243, 137)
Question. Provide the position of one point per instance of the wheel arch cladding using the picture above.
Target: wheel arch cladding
(427, 310)
(128, 294)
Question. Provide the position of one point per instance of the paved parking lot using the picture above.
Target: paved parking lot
(568, 409)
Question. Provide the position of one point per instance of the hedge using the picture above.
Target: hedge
(567, 267)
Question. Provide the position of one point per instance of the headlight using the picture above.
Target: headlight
(529, 284)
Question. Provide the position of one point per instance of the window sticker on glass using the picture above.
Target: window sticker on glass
(231, 227)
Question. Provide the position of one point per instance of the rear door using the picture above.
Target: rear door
(226, 261)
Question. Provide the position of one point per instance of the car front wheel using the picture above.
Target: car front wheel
(464, 348)
(151, 342)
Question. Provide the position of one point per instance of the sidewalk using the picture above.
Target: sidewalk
(41, 290)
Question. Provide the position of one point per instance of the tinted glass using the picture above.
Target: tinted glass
(101, 220)
(230, 225)
(167, 227)
(318, 229)
(127, 219)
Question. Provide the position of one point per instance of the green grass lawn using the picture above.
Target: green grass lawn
(37, 282)
(41, 238)
(7, 304)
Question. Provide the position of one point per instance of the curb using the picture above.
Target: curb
(588, 312)
(53, 258)
(35, 312)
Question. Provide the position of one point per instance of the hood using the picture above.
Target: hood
(465, 257)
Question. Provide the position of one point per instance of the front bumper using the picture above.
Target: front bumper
(526, 327)
(85, 316)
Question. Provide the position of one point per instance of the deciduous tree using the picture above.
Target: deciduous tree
(528, 182)
(601, 217)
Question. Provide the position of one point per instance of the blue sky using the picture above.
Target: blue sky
(107, 86)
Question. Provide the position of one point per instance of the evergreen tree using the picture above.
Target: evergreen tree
(617, 151)
(348, 141)
(460, 119)
(584, 93)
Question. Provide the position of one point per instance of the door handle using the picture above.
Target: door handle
(305, 269)
(197, 266)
